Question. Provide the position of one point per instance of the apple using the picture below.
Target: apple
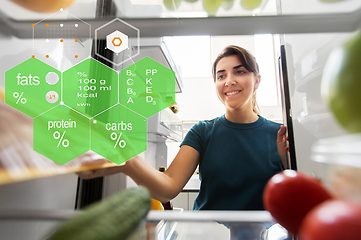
(172, 4)
(44, 6)
(250, 4)
(331, 1)
(211, 6)
(227, 4)
(341, 84)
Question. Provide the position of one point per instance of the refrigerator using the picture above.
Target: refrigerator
(307, 30)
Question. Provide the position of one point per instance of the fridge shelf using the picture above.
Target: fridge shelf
(196, 26)
(182, 224)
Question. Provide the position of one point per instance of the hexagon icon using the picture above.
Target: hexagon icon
(147, 87)
(32, 87)
(122, 37)
(118, 134)
(61, 134)
(90, 87)
(117, 41)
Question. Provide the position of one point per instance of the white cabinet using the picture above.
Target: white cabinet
(191, 197)
(181, 201)
(185, 200)
(186, 197)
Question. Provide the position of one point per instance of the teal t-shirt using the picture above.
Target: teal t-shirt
(236, 161)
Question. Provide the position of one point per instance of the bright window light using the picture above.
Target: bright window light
(191, 55)
(264, 53)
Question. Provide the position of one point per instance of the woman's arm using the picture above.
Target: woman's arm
(162, 186)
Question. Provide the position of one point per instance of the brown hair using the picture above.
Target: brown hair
(248, 61)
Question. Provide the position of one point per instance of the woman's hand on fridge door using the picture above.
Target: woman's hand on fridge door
(281, 145)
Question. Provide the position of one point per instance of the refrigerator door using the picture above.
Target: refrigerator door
(305, 56)
(286, 107)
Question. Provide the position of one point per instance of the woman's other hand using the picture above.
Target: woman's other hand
(281, 145)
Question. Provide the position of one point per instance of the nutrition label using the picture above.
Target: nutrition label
(146, 87)
(91, 87)
(32, 87)
(89, 106)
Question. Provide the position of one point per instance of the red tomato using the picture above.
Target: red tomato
(332, 220)
(290, 195)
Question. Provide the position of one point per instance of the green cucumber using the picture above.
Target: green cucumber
(113, 218)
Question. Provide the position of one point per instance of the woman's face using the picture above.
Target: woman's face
(234, 83)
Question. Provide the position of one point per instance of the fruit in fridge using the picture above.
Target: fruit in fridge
(341, 84)
(332, 220)
(290, 195)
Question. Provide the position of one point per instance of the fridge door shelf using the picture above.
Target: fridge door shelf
(341, 150)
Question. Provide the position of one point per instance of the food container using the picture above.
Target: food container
(343, 155)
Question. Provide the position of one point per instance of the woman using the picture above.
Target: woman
(237, 153)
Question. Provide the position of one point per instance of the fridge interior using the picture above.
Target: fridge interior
(308, 30)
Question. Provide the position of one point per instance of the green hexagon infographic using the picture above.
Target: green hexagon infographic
(147, 87)
(118, 134)
(90, 106)
(90, 87)
(61, 134)
(32, 87)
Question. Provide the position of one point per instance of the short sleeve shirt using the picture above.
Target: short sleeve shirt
(236, 161)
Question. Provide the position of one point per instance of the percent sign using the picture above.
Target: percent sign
(114, 136)
(82, 74)
(19, 97)
(64, 142)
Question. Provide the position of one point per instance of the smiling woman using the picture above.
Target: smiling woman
(235, 65)
(237, 153)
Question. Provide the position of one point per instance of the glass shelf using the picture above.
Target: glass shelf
(178, 224)
(153, 19)
(134, 9)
